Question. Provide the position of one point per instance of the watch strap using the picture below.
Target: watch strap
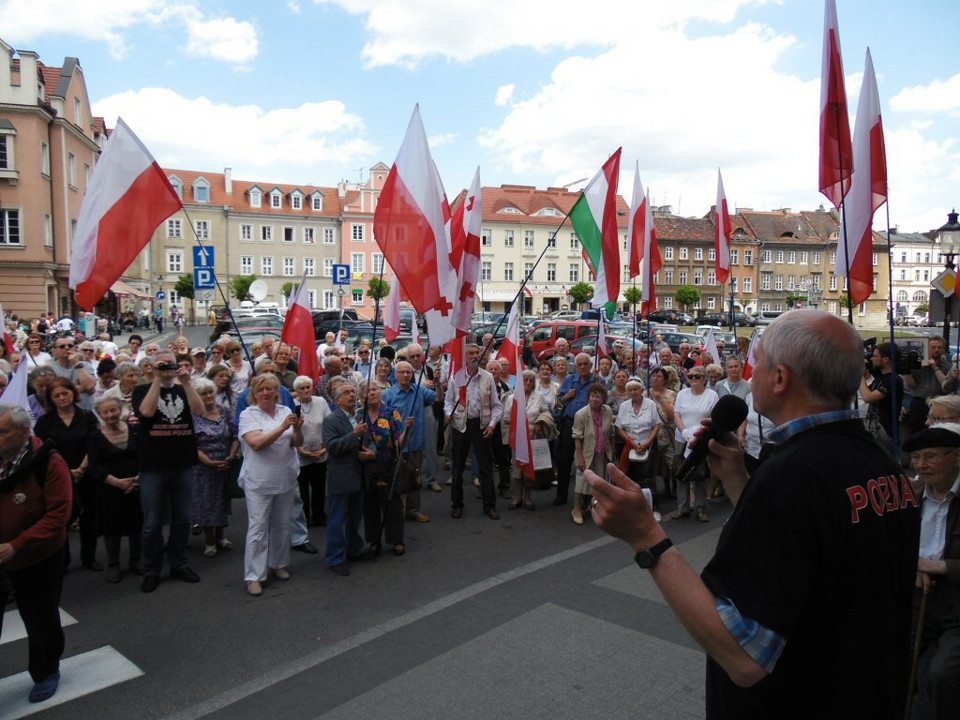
(653, 553)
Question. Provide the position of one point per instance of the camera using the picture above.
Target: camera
(909, 355)
(167, 366)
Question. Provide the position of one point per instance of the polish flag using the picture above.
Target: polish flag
(15, 393)
(510, 348)
(7, 340)
(836, 152)
(128, 197)
(298, 332)
(601, 346)
(868, 191)
(521, 439)
(391, 315)
(751, 356)
(722, 234)
(711, 347)
(644, 245)
(466, 227)
(411, 225)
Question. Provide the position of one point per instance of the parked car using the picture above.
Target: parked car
(723, 318)
(589, 341)
(546, 335)
(673, 317)
(765, 317)
(244, 323)
(913, 321)
(676, 339)
(325, 321)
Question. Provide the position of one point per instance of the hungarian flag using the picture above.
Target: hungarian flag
(836, 152)
(128, 197)
(643, 245)
(751, 356)
(511, 348)
(722, 233)
(391, 315)
(521, 439)
(411, 225)
(868, 191)
(298, 332)
(465, 230)
(594, 218)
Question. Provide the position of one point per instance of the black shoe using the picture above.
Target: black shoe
(185, 574)
(341, 570)
(308, 547)
(362, 557)
(93, 565)
(149, 583)
(559, 501)
(492, 513)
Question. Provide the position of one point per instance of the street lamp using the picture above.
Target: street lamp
(949, 236)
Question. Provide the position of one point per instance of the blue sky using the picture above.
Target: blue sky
(535, 92)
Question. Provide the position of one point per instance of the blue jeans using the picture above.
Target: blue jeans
(155, 487)
(343, 527)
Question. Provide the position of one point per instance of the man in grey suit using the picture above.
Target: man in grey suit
(343, 438)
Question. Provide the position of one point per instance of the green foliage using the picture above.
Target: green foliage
(845, 301)
(184, 286)
(687, 296)
(794, 297)
(288, 289)
(633, 295)
(922, 309)
(581, 292)
(378, 289)
(240, 286)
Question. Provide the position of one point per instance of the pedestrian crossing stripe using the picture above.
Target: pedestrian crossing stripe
(79, 675)
(13, 628)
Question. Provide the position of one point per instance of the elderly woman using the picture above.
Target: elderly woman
(70, 427)
(546, 386)
(617, 390)
(638, 424)
(240, 370)
(114, 467)
(226, 399)
(664, 399)
(35, 355)
(313, 455)
(269, 432)
(541, 426)
(714, 375)
(128, 377)
(385, 439)
(39, 381)
(561, 368)
(217, 447)
(106, 377)
(593, 436)
(383, 371)
(216, 354)
(693, 404)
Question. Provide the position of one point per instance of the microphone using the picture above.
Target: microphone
(727, 415)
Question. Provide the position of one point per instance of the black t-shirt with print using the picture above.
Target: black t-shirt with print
(166, 440)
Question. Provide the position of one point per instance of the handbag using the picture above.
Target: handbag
(408, 476)
(231, 486)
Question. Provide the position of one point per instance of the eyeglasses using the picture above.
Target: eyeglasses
(33, 342)
(234, 350)
(930, 458)
(695, 377)
(65, 347)
(941, 418)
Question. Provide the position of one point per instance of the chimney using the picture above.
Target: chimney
(228, 180)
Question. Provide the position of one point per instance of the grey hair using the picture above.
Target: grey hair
(150, 360)
(302, 380)
(528, 374)
(951, 403)
(18, 416)
(37, 372)
(827, 365)
(124, 368)
(202, 385)
(414, 346)
(341, 388)
(635, 383)
(103, 400)
(261, 361)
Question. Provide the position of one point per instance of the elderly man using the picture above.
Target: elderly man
(804, 609)
(283, 370)
(198, 358)
(472, 426)
(364, 362)
(431, 379)
(409, 399)
(328, 342)
(167, 447)
(573, 395)
(68, 364)
(35, 497)
(733, 383)
(935, 453)
(332, 367)
(926, 383)
(562, 349)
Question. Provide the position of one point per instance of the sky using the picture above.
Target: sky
(534, 92)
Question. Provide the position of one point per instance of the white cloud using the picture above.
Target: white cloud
(938, 96)
(436, 141)
(294, 6)
(224, 39)
(197, 133)
(504, 94)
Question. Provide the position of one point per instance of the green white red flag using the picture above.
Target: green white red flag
(594, 218)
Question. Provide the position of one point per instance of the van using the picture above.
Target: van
(765, 317)
(545, 335)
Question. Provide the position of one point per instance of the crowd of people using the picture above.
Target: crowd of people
(129, 434)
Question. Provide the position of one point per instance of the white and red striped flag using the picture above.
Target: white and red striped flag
(601, 345)
(465, 230)
(868, 191)
(836, 151)
(751, 360)
(643, 245)
(298, 332)
(722, 233)
(391, 314)
(710, 346)
(510, 348)
(412, 226)
(128, 197)
(521, 439)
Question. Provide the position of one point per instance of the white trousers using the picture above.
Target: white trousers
(268, 533)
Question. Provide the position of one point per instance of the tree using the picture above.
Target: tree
(687, 296)
(795, 297)
(240, 286)
(184, 286)
(845, 301)
(922, 309)
(288, 289)
(378, 289)
(581, 292)
(633, 295)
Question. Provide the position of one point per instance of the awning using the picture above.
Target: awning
(122, 289)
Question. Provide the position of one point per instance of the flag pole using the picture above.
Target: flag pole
(376, 315)
(843, 220)
(894, 401)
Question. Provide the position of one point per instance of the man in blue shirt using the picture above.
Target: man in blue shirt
(573, 395)
(410, 400)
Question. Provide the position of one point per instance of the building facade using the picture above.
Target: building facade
(916, 261)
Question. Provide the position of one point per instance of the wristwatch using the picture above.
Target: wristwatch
(646, 559)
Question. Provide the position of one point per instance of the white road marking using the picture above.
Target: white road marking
(13, 626)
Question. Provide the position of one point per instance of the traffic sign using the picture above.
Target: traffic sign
(203, 278)
(206, 295)
(161, 295)
(203, 256)
(341, 274)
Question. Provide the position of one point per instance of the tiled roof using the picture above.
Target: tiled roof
(51, 76)
(794, 228)
(529, 201)
(671, 227)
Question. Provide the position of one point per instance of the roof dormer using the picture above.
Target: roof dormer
(276, 198)
(255, 195)
(177, 185)
(201, 190)
(316, 201)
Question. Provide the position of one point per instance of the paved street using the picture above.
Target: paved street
(528, 617)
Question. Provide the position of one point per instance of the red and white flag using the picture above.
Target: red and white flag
(411, 225)
(710, 346)
(466, 227)
(521, 439)
(836, 151)
(751, 356)
(643, 245)
(458, 366)
(391, 314)
(601, 346)
(868, 191)
(298, 332)
(128, 197)
(7, 340)
(15, 393)
(723, 232)
(510, 348)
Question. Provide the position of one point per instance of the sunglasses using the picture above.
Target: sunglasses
(65, 347)
(695, 377)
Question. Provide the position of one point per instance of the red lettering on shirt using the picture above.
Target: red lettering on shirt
(876, 496)
(885, 494)
(858, 501)
(907, 496)
(894, 502)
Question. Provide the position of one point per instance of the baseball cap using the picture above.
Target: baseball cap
(198, 351)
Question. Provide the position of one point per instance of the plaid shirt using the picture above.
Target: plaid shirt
(761, 643)
(782, 433)
(9, 467)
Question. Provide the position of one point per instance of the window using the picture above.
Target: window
(266, 265)
(316, 202)
(173, 298)
(246, 232)
(748, 257)
(6, 152)
(377, 263)
(72, 169)
(764, 307)
(698, 253)
(734, 257)
(486, 238)
(551, 272)
(668, 302)
(528, 241)
(508, 272)
(201, 190)
(173, 228)
(816, 258)
(765, 281)
(552, 241)
(312, 298)
(698, 277)
(668, 253)
(833, 258)
(875, 259)
(916, 275)
(289, 267)
(309, 267)
(256, 198)
(684, 254)
(329, 237)
(804, 257)
(926, 258)
(711, 278)
(288, 234)
(296, 201)
(918, 257)
(357, 263)
(574, 276)
(356, 296)
(328, 267)
(903, 257)
(747, 284)
(683, 277)
(356, 233)
(792, 257)
(309, 236)
(926, 276)
(47, 231)
(485, 270)
(780, 257)
(816, 282)
(266, 233)
(276, 199)
(833, 281)
(768, 256)
(711, 303)
(874, 283)
(10, 227)
(778, 283)
(246, 264)
(527, 269)
(713, 255)
(508, 238)
(77, 112)
(668, 277)
(575, 242)
(203, 229)
(174, 261)
(790, 282)
(920, 296)
(45, 159)
(328, 300)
